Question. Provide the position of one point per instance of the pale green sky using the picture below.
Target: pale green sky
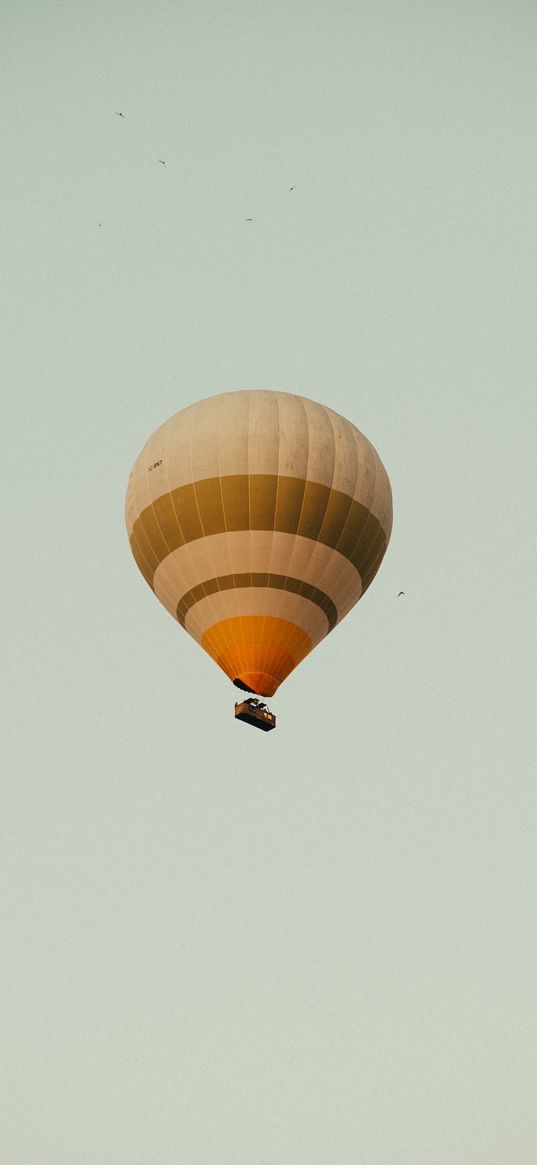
(318, 946)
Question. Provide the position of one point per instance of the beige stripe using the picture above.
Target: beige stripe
(297, 609)
(258, 431)
(212, 506)
(261, 580)
(250, 553)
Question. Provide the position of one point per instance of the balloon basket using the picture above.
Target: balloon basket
(256, 714)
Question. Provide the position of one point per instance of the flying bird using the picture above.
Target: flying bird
(119, 114)
(292, 188)
(249, 220)
(400, 593)
(161, 162)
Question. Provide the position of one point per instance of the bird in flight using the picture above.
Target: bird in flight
(249, 220)
(99, 224)
(119, 114)
(161, 162)
(292, 188)
(400, 593)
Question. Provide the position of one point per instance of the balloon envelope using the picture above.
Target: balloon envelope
(259, 519)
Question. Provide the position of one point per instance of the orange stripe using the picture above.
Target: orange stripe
(259, 650)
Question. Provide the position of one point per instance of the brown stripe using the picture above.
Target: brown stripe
(288, 505)
(278, 582)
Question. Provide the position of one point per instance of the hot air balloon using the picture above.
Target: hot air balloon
(259, 519)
